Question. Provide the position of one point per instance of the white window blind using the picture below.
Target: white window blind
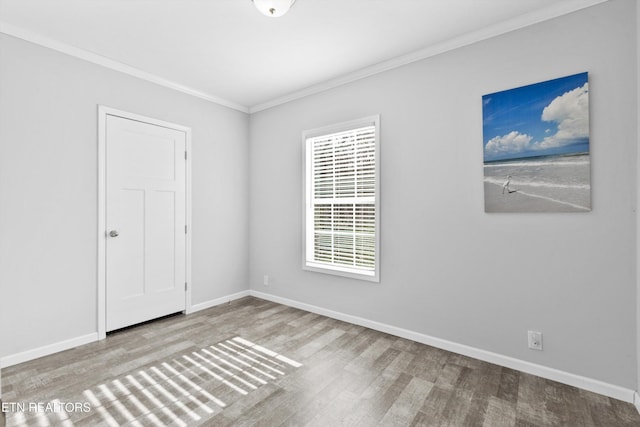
(341, 212)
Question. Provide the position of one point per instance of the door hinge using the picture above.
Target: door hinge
(185, 229)
(185, 155)
(185, 286)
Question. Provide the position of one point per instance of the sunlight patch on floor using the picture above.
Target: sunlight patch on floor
(177, 392)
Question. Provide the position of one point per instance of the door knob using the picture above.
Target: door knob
(113, 233)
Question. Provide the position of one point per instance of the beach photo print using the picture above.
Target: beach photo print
(536, 147)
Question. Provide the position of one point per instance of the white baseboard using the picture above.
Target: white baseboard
(217, 301)
(636, 401)
(46, 350)
(585, 383)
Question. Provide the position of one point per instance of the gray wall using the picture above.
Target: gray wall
(638, 201)
(448, 269)
(48, 190)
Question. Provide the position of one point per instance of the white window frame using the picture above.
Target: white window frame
(307, 209)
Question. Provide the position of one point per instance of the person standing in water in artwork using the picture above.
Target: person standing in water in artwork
(505, 186)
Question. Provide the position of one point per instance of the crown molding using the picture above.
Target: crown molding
(554, 11)
(94, 58)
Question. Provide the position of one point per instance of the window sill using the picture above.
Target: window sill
(370, 276)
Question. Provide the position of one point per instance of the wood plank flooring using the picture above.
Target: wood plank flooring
(255, 363)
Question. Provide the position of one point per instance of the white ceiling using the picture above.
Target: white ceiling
(226, 51)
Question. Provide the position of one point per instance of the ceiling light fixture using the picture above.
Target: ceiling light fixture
(273, 8)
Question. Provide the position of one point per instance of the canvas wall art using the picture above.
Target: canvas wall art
(536, 147)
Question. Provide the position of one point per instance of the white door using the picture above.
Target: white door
(145, 221)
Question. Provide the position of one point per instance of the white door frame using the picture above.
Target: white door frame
(103, 112)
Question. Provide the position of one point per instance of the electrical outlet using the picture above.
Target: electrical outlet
(265, 280)
(535, 340)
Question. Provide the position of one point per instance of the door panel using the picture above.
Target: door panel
(161, 241)
(126, 279)
(145, 206)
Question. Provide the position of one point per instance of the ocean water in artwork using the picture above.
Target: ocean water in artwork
(552, 183)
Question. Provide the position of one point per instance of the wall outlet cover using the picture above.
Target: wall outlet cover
(535, 340)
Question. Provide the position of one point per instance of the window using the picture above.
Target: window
(341, 224)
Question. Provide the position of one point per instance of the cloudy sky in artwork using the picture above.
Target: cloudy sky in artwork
(542, 119)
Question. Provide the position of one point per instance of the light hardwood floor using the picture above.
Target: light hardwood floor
(255, 363)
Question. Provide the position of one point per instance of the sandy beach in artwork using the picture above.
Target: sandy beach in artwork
(544, 184)
(495, 201)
